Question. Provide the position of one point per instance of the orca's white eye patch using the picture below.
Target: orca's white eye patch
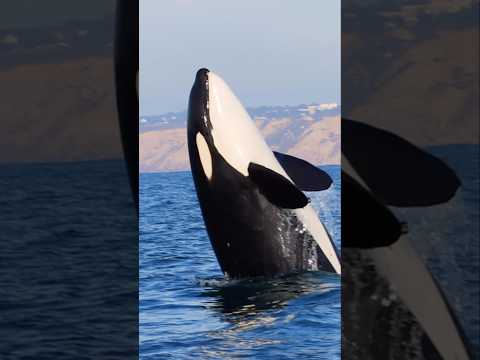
(205, 156)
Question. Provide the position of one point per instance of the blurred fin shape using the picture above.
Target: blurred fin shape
(396, 171)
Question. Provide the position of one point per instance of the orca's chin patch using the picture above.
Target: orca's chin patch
(205, 156)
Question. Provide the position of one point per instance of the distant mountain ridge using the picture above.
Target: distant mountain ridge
(311, 132)
(172, 120)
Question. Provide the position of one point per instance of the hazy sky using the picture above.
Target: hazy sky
(270, 52)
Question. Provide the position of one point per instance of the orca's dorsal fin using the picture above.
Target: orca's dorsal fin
(277, 189)
(305, 175)
(396, 171)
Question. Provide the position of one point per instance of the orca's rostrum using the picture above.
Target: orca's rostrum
(256, 215)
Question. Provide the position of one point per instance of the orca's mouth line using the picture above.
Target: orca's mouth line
(206, 116)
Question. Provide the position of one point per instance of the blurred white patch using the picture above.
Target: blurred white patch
(9, 39)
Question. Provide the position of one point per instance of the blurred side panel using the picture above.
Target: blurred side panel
(410, 152)
(126, 80)
(69, 229)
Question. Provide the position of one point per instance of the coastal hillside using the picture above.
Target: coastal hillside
(59, 101)
(311, 132)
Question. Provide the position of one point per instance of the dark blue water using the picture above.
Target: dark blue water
(68, 261)
(446, 236)
(188, 310)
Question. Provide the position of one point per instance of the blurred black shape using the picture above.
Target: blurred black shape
(374, 226)
(410, 80)
(69, 230)
(396, 171)
(126, 76)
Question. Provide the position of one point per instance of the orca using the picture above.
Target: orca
(372, 179)
(258, 219)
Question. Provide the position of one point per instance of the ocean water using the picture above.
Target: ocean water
(189, 311)
(68, 261)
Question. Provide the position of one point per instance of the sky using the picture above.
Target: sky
(270, 52)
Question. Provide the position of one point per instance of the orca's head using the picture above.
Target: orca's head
(198, 115)
(199, 126)
(220, 127)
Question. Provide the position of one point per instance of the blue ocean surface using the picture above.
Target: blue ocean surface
(68, 261)
(189, 311)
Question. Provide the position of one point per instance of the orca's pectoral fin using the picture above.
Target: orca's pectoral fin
(396, 171)
(276, 188)
(305, 175)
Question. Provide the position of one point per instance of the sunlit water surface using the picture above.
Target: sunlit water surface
(188, 310)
